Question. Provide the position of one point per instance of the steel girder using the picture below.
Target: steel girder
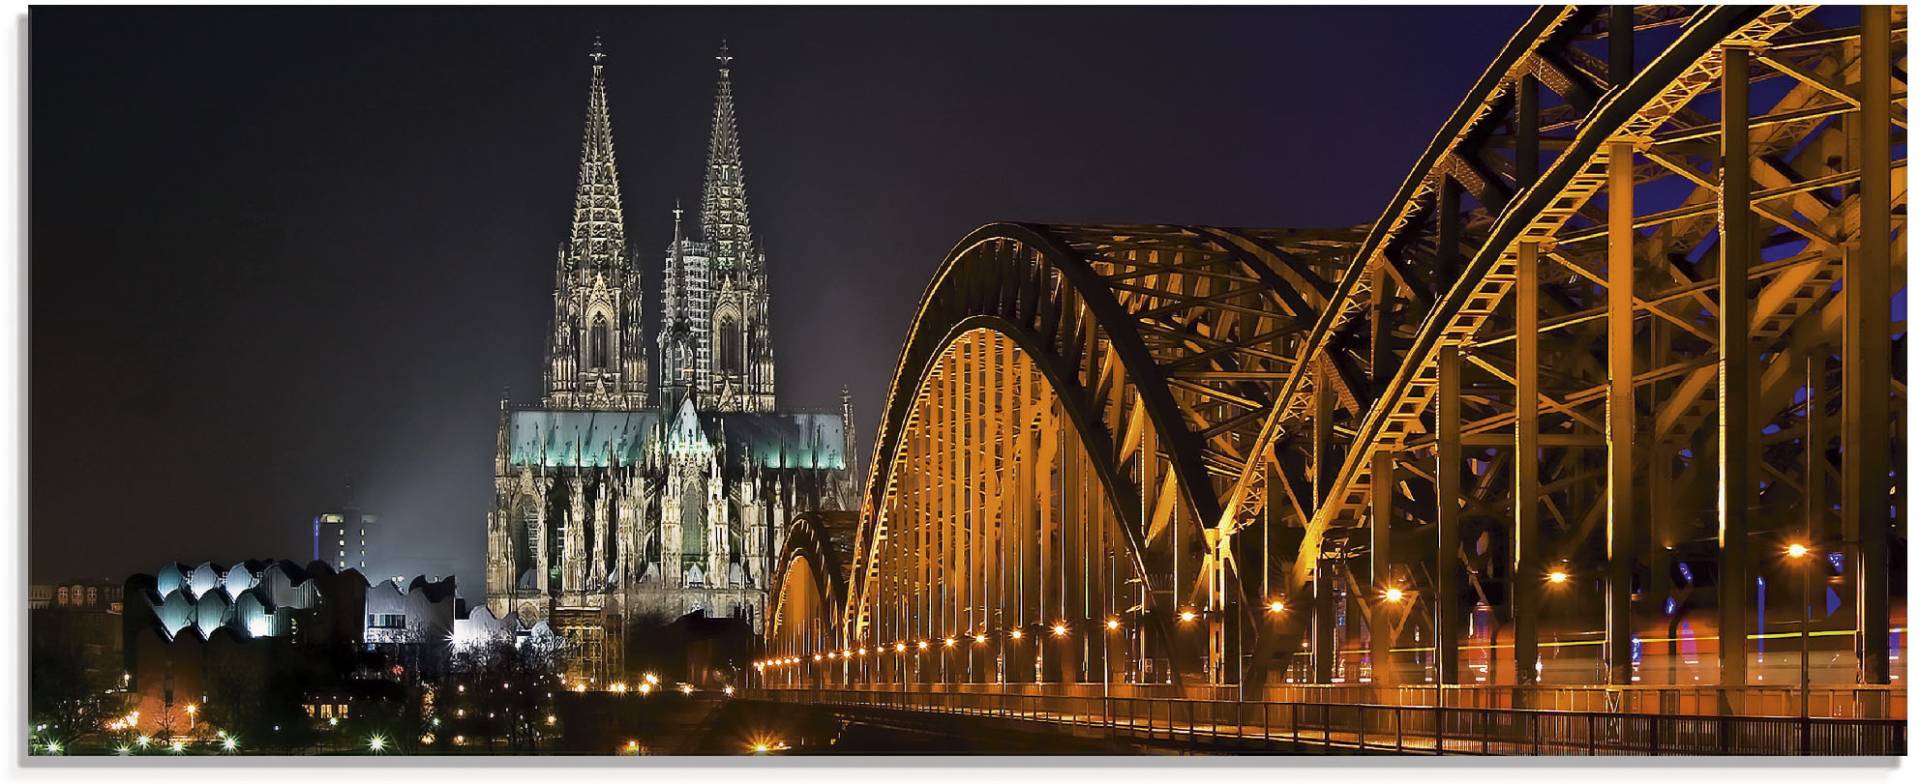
(1576, 213)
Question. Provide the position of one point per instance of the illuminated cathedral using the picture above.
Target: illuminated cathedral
(623, 499)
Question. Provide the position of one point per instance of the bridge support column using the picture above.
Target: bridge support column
(1386, 597)
(1621, 418)
(1320, 624)
(1868, 350)
(1735, 376)
(1446, 547)
(1660, 521)
(1070, 554)
(1325, 601)
(1524, 567)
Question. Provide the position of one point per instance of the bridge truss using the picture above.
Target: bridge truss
(1483, 441)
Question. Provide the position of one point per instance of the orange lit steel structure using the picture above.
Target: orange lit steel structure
(1209, 462)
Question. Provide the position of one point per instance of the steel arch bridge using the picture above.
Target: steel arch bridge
(1482, 442)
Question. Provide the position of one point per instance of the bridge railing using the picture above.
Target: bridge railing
(1410, 729)
(1849, 702)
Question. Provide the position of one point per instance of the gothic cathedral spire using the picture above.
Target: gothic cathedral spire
(723, 205)
(715, 311)
(599, 237)
(596, 353)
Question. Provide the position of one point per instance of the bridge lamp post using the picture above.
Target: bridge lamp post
(1557, 578)
(900, 663)
(1801, 555)
(1106, 665)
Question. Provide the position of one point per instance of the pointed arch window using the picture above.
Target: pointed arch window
(731, 345)
(597, 338)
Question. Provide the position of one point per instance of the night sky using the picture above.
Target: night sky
(278, 251)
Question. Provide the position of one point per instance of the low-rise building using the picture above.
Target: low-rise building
(184, 622)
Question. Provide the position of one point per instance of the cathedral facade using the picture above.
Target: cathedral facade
(623, 499)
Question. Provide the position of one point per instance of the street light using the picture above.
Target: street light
(1799, 552)
(1394, 594)
(1557, 576)
(1276, 606)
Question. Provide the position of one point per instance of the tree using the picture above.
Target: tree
(64, 697)
(502, 689)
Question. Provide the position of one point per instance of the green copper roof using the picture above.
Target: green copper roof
(600, 438)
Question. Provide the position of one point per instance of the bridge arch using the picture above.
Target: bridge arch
(809, 584)
(1146, 353)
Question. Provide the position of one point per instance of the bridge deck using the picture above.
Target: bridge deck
(1222, 725)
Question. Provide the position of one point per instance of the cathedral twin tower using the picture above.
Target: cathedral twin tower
(622, 501)
(715, 341)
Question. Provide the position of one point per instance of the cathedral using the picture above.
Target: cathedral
(623, 499)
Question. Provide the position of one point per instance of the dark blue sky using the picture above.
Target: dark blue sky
(277, 250)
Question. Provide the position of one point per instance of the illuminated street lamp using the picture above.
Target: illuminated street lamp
(1394, 595)
(1276, 606)
(1113, 624)
(980, 639)
(1187, 616)
(1799, 553)
(1060, 629)
(1557, 576)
